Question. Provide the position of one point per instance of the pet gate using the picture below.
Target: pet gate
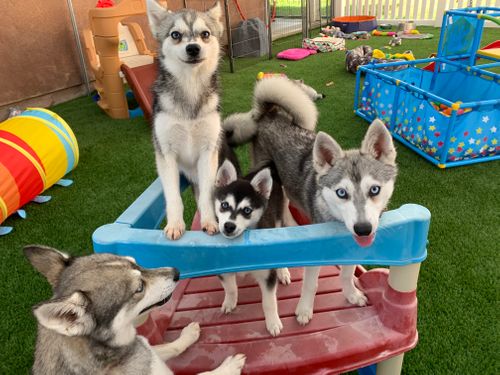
(265, 27)
(449, 111)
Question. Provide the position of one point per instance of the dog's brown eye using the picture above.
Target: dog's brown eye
(205, 34)
(175, 35)
(140, 289)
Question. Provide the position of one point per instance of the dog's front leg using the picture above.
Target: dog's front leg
(169, 176)
(230, 286)
(288, 219)
(231, 366)
(268, 286)
(207, 171)
(284, 276)
(189, 335)
(305, 307)
(351, 293)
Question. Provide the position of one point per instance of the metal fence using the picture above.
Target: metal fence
(284, 25)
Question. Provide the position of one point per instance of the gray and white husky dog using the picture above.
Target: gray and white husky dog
(253, 201)
(186, 119)
(319, 177)
(87, 327)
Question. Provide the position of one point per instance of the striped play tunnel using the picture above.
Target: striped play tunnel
(37, 148)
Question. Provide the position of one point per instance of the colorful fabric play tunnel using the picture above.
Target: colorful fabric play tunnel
(37, 148)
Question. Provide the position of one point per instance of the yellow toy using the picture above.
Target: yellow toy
(262, 75)
(378, 54)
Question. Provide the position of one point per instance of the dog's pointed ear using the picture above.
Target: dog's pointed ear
(262, 182)
(215, 12)
(68, 315)
(156, 15)
(378, 143)
(48, 261)
(226, 174)
(325, 152)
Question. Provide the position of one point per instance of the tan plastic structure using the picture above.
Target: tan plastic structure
(402, 279)
(101, 44)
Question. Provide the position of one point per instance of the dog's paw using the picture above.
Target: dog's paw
(232, 365)
(210, 227)
(191, 332)
(175, 229)
(303, 315)
(284, 276)
(228, 305)
(274, 326)
(356, 297)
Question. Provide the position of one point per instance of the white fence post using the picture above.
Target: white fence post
(423, 12)
(338, 8)
(441, 8)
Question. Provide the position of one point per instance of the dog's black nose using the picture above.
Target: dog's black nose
(229, 227)
(177, 274)
(193, 50)
(362, 229)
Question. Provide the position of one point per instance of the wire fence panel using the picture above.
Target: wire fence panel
(293, 20)
(287, 26)
(253, 25)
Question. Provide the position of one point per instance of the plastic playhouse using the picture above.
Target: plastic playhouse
(111, 42)
(340, 337)
(449, 114)
(37, 148)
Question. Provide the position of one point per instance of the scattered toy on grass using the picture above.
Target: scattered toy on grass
(356, 57)
(407, 55)
(262, 75)
(383, 33)
(395, 41)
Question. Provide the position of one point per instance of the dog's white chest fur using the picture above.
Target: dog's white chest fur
(187, 138)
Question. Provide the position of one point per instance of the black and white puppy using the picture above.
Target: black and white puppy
(253, 201)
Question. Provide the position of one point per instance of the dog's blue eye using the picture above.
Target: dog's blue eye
(140, 289)
(341, 193)
(175, 35)
(247, 210)
(224, 205)
(205, 34)
(374, 190)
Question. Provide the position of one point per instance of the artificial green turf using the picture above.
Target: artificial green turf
(458, 290)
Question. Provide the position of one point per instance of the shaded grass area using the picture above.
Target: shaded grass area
(458, 292)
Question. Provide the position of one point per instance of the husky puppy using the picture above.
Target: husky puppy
(186, 119)
(87, 327)
(254, 201)
(319, 177)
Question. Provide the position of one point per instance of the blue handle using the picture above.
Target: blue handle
(401, 239)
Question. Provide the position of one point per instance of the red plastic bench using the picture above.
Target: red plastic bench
(340, 337)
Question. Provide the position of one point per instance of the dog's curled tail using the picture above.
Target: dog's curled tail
(268, 93)
(239, 128)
